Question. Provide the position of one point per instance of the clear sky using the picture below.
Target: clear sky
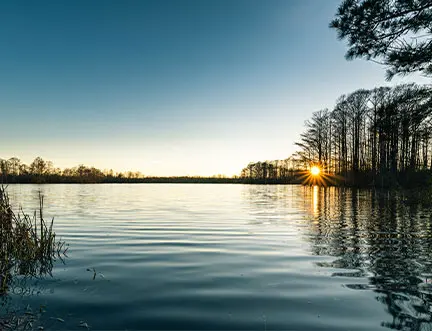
(168, 87)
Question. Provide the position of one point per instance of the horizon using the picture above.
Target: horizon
(168, 88)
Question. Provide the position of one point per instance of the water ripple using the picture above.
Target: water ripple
(234, 257)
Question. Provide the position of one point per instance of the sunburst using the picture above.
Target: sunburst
(316, 176)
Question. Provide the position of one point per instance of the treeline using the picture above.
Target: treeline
(272, 172)
(41, 171)
(383, 135)
(371, 137)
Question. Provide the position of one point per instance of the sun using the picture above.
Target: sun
(315, 171)
(315, 175)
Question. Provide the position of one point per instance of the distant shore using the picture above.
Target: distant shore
(362, 180)
(145, 180)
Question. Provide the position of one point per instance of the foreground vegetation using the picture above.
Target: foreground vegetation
(28, 248)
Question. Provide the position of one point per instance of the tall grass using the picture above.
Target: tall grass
(28, 244)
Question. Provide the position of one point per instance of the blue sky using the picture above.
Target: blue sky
(168, 87)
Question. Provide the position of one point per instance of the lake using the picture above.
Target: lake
(230, 257)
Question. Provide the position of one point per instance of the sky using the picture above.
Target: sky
(169, 87)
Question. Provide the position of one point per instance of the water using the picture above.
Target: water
(232, 257)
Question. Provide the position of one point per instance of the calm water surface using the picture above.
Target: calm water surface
(231, 257)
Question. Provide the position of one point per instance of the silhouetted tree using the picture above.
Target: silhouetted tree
(38, 166)
(315, 141)
(396, 32)
(14, 165)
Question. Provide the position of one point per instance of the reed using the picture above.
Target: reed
(28, 244)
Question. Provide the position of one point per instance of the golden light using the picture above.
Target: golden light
(314, 175)
(315, 171)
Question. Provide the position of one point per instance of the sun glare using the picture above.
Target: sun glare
(315, 171)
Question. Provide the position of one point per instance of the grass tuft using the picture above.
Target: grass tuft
(28, 244)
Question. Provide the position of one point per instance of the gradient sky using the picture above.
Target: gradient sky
(168, 87)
